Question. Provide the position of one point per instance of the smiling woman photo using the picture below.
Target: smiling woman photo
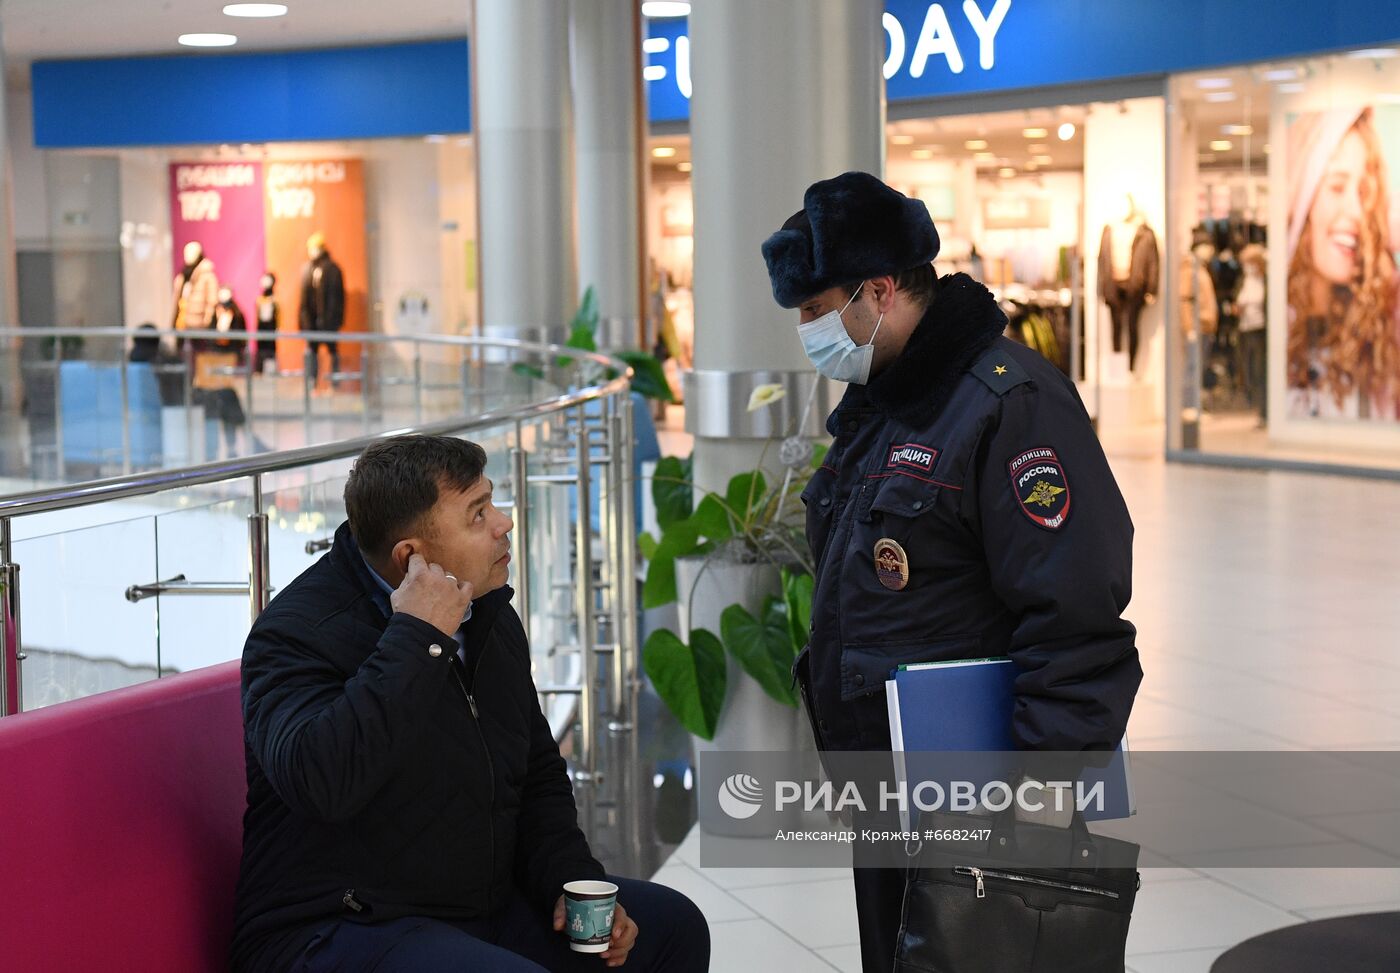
(1343, 350)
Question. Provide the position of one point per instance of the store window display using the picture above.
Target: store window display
(1343, 357)
(196, 290)
(322, 300)
(1128, 275)
(269, 315)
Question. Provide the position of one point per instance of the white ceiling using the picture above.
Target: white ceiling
(41, 29)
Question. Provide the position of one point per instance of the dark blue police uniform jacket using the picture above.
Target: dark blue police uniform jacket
(966, 510)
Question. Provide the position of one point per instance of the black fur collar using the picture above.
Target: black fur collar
(960, 324)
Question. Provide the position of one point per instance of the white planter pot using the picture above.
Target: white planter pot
(750, 719)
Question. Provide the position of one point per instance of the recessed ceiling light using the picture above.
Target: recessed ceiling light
(1006, 172)
(985, 156)
(1042, 160)
(901, 140)
(661, 9)
(1035, 133)
(1237, 130)
(256, 10)
(1211, 84)
(663, 152)
(1220, 96)
(1066, 131)
(1221, 145)
(208, 40)
(1291, 88)
(683, 166)
(921, 154)
(1373, 53)
(1280, 74)
(976, 145)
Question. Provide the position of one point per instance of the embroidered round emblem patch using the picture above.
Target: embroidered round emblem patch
(1041, 487)
(891, 564)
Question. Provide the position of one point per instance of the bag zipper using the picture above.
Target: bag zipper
(979, 873)
(490, 767)
(350, 902)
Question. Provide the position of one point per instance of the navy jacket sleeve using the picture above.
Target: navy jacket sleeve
(327, 744)
(550, 847)
(1058, 544)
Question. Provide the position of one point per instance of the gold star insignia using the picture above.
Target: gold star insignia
(1001, 369)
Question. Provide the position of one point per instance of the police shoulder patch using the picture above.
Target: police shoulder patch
(1041, 487)
(999, 371)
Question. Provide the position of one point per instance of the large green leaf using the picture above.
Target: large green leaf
(819, 452)
(678, 540)
(797, 598)
(690, 679)
(762, 647)
(647, 545)
(672, 491)
(745, 493)
(711, 519)
(586, 317)
(648, 377)
(529, 371)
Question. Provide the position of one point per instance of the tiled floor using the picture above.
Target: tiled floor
(1267, 610)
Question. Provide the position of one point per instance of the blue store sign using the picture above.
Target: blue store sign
(959, 48)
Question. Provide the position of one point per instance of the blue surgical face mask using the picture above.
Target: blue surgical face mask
(832, 351)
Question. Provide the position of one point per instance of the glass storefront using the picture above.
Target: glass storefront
(1287, 347)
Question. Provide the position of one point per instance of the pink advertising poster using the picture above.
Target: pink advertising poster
(220, 206)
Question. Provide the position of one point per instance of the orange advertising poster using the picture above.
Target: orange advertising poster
(306, 197)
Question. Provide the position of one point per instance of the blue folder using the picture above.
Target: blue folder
(966, 706)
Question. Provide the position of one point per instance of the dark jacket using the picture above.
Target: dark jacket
(322, 295)
(975, 456)
(1144, 273)
(376, 788)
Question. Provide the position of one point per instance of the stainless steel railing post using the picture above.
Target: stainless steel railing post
(583, 587)
(9, 611)
(126, 412)
(259, 580)
(520, 536)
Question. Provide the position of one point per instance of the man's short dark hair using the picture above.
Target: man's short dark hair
(396, 481)
(919, 283)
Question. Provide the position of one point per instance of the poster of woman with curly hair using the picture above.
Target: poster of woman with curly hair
(1343, 351)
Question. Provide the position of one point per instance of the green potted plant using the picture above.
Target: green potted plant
(738, 568)
(648, 379)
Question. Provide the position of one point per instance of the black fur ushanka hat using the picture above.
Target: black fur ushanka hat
(850, 228)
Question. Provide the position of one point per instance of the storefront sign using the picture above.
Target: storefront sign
(303, 197)
(957, 48)
(219, 205)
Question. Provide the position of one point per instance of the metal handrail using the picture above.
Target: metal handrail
(158, 481)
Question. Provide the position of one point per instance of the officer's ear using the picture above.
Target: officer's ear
(882, 290)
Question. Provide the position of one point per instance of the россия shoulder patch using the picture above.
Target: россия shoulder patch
(1042, 489)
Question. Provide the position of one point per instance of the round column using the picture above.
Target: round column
(786, 92)
(606, 58)
(521, 52)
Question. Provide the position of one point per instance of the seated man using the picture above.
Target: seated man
(408, 809)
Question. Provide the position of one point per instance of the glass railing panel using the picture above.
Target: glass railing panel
(204, 538)
(80, 633)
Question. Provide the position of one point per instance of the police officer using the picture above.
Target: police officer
(965, 509)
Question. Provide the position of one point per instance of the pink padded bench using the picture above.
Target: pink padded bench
(121, 827)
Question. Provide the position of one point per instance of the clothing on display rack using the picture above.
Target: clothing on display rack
(1040, 320)
(1128, 276)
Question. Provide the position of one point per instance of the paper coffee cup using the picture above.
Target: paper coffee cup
(588, 915)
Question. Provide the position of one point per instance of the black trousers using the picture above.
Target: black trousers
(1125, 308)
(332, 346)
(672, 937)
(879, 911)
